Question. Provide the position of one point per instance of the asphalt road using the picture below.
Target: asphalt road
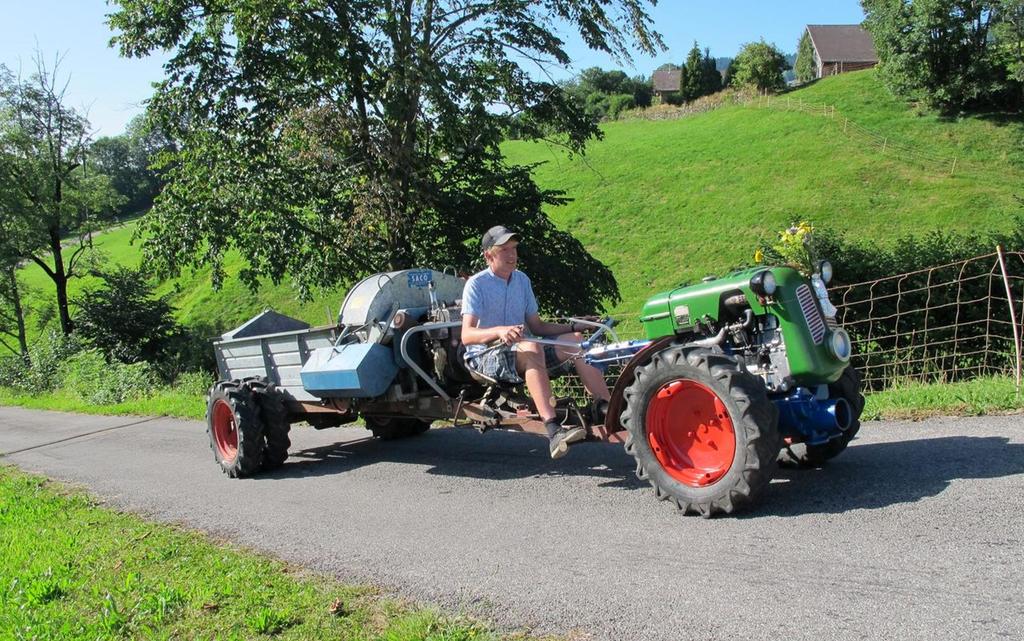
(914, 533)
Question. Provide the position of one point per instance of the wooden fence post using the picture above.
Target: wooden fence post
(885, 142)
(1013, 318)
(953, 168)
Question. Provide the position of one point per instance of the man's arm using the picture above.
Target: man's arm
(542, 328)
(473, 335)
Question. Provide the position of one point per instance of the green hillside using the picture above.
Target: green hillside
(665, 201)
(670, 200)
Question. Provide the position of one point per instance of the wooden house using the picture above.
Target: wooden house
(667, 81)
(841, 47)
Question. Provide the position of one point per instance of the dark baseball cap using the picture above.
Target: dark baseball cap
(497, 235)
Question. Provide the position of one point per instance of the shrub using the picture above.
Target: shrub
(47, 355)
(12, 371)
(618, 103)
(91, 378)
(188, 350)
(193, 383)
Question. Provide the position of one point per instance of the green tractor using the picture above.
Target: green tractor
(738, 372)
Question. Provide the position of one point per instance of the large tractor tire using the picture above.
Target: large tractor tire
(847, 387)
(235, 428)
(274, 413)
(701, 429)
(389, 429)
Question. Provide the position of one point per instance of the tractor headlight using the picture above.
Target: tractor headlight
(825, 269)
(839, 344)
(763, 283)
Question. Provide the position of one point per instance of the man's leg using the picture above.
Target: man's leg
(592, 377)
(530, 363)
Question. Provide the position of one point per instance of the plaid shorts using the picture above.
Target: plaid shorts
(500, 364)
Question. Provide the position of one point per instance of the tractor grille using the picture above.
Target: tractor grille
(811, 314)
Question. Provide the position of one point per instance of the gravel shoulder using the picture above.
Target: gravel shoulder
(915, 532)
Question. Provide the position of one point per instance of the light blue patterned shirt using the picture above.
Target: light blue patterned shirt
(496, 303)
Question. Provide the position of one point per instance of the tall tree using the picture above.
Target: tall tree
(804, 67)
(329, 139)
(759, 65)
(44, 143)
(711, 80)
(693, 79)
(12, 316)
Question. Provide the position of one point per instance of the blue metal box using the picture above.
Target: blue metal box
(359, 370)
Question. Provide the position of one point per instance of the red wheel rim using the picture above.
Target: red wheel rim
(225, 432)
(691, 433)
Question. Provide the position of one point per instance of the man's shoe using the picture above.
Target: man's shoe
(561, 439)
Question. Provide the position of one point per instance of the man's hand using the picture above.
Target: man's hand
(582, 328)
(511, 335)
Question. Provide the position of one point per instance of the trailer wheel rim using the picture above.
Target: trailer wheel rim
(225, 431)
(691, 433)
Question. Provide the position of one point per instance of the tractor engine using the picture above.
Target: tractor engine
(781, 325)
(444, 349)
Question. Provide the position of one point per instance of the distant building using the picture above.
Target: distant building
(839, 48)
(667, 81)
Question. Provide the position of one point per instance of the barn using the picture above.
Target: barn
(667, 81)
(839, 48)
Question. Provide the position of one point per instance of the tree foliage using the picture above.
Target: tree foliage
(759, 65)
(127, 158)
(603, 94)
(951, 54)
(805, 67)
(325, 140)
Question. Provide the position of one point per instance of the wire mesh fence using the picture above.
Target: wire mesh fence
(946, 323)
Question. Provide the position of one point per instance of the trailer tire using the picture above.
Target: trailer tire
(274, 412)
(235, 428)
(702, 430)
(847, 387)
(389, 429)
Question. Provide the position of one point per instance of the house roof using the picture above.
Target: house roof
(668, 80)
(842, 43)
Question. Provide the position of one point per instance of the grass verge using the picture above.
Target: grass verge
(990, 395)
(163, 402)
(73, 570)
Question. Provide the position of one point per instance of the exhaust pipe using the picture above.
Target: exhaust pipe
(818, 420)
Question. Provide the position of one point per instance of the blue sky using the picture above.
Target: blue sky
(112, 89)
